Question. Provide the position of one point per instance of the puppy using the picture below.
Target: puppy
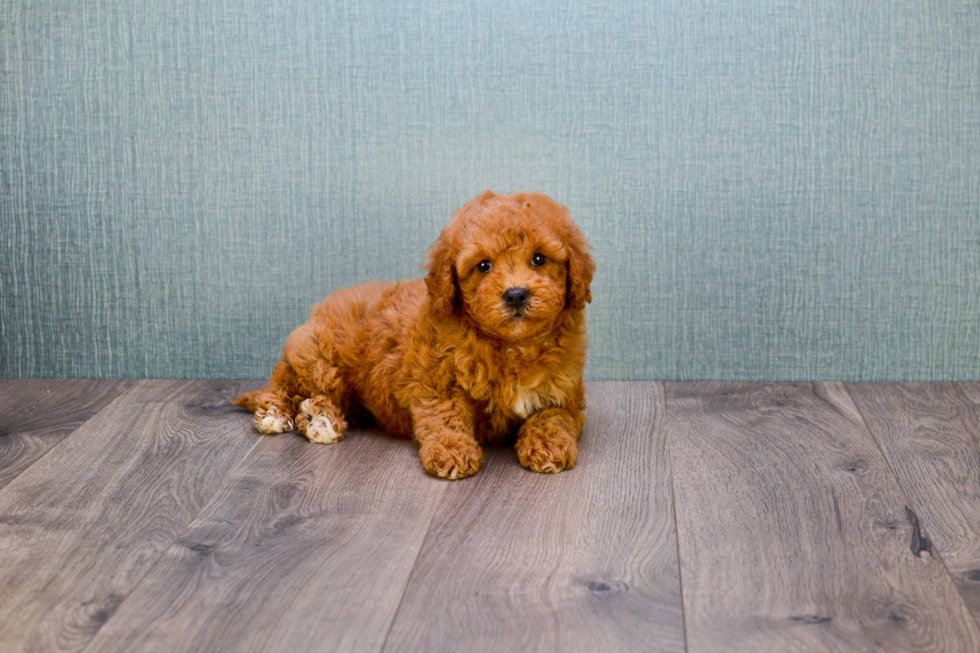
(491, 344)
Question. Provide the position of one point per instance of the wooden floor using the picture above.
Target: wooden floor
(149, 516)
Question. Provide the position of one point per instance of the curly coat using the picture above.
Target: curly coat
(453, 361)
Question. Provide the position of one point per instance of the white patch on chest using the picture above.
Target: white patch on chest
(527, 402)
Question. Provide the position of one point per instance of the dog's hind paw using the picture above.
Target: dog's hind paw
(317, 427)
(271, 421)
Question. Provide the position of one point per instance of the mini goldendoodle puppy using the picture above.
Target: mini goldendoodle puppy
(492, 343)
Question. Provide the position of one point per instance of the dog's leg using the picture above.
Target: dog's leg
(271, 414)
(548, 441)
(320, 420)
(444, 431)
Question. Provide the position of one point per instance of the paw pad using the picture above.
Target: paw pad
(272, 421)
(319, 429)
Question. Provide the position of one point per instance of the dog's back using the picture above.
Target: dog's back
(353, 338)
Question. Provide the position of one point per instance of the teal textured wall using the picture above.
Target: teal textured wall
(783, 190)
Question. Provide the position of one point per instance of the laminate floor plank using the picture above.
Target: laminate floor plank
(306, 547)
(36, 414)
(81, 527)
(585, 560)
(794, 535)
(930, 434)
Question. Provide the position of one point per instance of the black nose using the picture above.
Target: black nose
(515, 297)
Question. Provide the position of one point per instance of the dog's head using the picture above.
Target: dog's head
(512, 263)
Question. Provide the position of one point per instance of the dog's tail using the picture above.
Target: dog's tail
(250, 401)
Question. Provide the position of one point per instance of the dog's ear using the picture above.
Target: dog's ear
(581, 267)
(441, 279)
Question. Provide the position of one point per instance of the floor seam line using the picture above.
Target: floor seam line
(67, 437)
(673, 507)
(905, 494)
(415, 562)
(166, 548)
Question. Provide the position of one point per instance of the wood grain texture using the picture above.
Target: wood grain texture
(793, 533)
(930, 434)
(582, 561)
(306, 547)
(36, 414)
(81, 527)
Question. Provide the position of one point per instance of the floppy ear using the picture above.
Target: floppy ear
(580, 269)
(441, 280)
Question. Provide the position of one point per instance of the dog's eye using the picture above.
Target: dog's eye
(538, 260)
(484, 266)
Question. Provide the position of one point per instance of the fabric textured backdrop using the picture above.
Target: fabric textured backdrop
(779, 190)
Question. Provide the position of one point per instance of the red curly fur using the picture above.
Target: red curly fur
(448, 361)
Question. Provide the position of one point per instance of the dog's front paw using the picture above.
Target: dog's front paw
(271, 421)
(548, 454)
(451, 460)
